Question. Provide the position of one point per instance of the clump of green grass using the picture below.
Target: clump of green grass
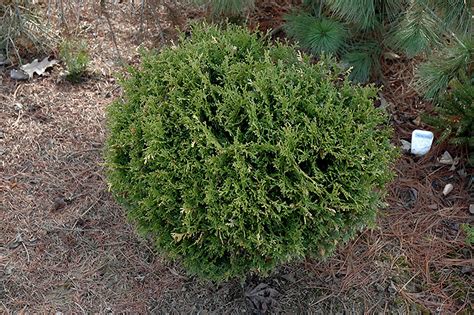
(22, 30)
(469, 230)
(75, 56)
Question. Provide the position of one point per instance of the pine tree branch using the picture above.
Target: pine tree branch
(441, 22)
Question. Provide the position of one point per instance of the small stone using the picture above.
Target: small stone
(446, 159)
(417, 121)
(18, 75)
(433, 206)
(471, 208)
(406, 145)
(462, 172)
(18, 106)
(447, 189)
(390, 55)
(9, 270)
(392, 289)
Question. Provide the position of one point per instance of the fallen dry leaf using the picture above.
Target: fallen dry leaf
(38, 67)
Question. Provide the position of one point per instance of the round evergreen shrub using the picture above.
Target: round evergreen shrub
(237, 155)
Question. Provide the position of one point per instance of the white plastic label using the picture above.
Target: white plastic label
(421, 141)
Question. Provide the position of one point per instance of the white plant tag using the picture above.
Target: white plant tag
(421, 141)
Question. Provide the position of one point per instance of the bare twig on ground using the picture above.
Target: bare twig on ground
(112, 33)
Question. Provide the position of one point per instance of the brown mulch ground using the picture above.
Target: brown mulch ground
(65, 245)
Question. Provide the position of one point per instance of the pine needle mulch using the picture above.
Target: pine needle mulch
(66, 246)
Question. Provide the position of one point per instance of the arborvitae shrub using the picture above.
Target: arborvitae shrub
(236, 155)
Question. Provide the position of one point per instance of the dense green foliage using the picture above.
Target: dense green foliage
(456, 116)
(236, 155)
(453, 63)
(448, 79)
(319, 35)
(440, 29)
(374, 26)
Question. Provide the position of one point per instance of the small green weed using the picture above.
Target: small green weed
(469, 230)
(76, 58)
